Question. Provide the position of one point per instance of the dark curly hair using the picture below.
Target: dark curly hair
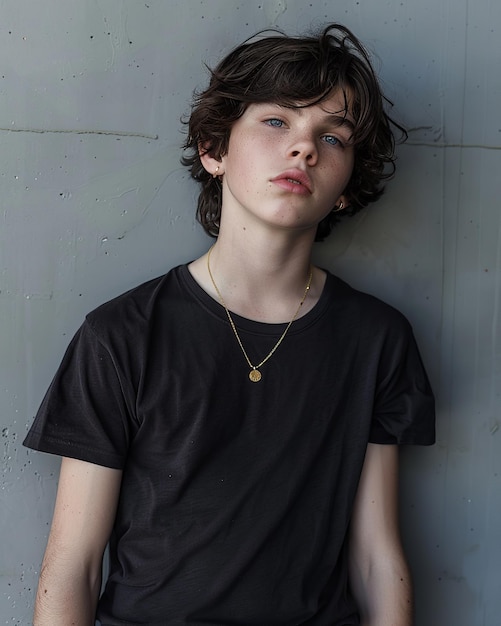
(299, 72)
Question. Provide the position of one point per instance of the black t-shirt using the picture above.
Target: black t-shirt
(236, 496)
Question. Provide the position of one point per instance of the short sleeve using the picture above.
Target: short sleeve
(84, 414)
(404, 407)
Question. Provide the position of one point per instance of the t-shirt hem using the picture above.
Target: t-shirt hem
(404, 441)
(59, 447)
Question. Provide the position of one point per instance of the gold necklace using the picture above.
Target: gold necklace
(254, 374)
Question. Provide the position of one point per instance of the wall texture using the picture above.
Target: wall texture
(93, 201)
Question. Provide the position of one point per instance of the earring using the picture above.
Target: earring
(215, 175)
(338, 208)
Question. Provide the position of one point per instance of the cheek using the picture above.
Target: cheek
(350, 164)
(344, 169)
(247, 160)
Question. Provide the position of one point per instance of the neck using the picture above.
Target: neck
(264, 281)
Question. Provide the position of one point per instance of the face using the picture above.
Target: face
(286, 167)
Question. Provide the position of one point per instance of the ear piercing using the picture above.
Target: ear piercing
(215, 175)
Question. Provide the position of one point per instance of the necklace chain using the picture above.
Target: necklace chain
(254, 374)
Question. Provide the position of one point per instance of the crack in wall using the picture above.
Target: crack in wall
(76, 131)
(434, 144)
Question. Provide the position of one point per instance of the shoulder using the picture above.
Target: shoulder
(135, 309)
(356, 307)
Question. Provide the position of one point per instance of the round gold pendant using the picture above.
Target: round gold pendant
(255, 376)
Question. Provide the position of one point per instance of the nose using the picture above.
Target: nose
(304, 148)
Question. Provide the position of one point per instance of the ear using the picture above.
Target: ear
(211, 165)
(342, 203)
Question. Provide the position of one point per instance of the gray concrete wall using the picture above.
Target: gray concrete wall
(93, 201)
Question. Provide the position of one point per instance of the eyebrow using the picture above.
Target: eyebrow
(342, 120)
(336, 118)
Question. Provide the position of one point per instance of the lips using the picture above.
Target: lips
(294, 180)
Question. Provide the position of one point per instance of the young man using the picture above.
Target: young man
(231, 428)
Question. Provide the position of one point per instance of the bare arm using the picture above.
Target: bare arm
(379, 574)
(70, 579)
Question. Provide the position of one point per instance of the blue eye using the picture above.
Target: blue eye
(274, 121)
(330, 139)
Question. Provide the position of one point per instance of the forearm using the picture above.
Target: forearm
(384, 593)
(66, 595)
